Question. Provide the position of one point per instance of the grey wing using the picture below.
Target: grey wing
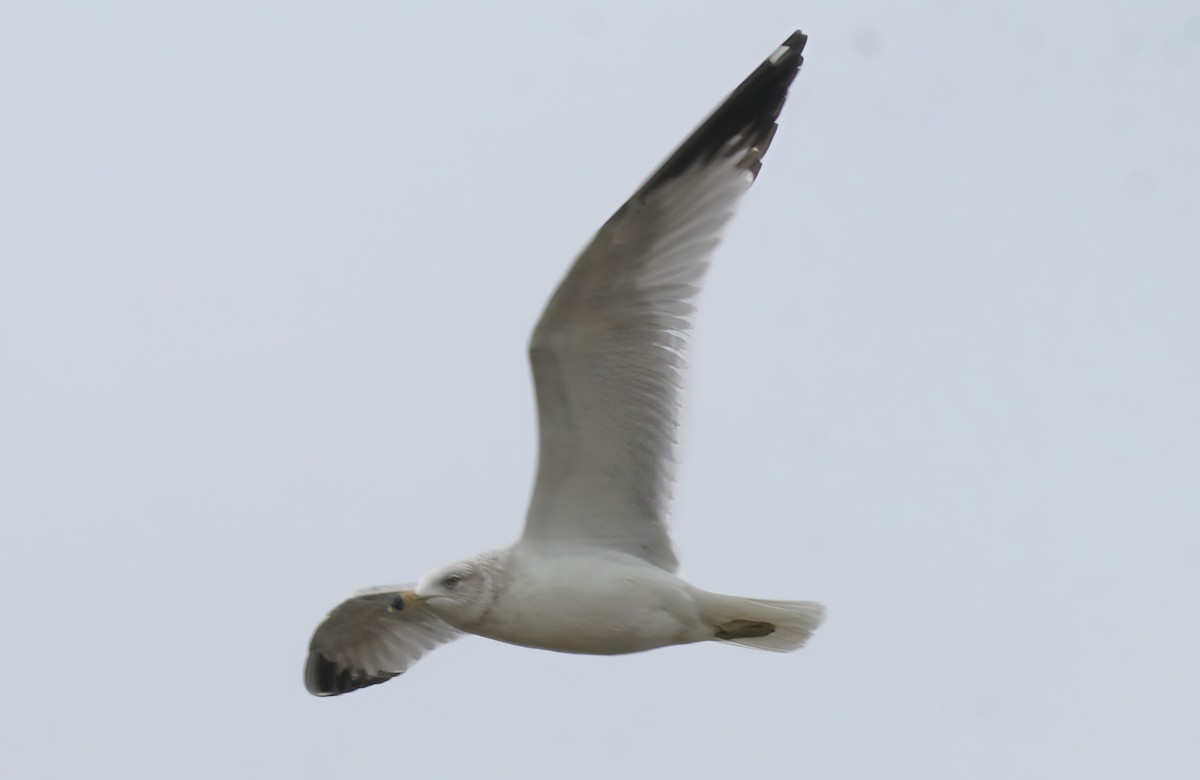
(608, 350)
(365, 641)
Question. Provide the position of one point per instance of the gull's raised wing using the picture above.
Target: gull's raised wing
(366, 641)
(608, 350)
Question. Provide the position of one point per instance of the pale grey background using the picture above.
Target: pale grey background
(268, 273)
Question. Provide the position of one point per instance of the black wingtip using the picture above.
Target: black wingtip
(749, 113)
(323, 677)
(796, 41)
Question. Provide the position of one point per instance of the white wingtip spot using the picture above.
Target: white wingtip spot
(778, 54)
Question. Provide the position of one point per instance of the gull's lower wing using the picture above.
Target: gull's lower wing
(608, 350)
(366, 641)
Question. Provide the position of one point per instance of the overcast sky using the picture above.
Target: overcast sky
(267, 272)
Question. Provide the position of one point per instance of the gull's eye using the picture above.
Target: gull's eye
(450, 581)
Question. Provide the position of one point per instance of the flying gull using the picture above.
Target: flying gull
(594, 570)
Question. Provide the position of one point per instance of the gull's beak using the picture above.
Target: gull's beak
(407, 599)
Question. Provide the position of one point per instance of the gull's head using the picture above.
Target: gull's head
(463, 592)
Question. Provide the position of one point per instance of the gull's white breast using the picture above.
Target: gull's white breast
(603, 603)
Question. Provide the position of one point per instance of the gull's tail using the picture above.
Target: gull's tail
(780, 626)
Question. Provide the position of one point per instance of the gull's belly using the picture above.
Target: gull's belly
(598, 606)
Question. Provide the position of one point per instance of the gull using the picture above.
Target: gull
(594, 570)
